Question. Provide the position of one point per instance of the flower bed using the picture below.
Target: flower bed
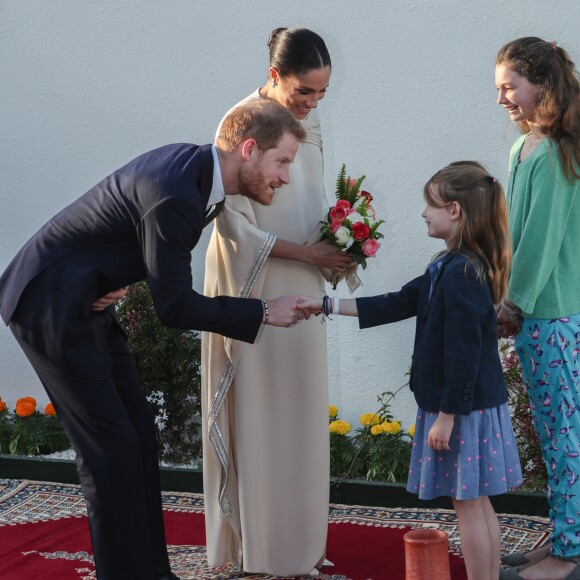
(26, 431)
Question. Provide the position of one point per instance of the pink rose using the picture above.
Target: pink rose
(338, 214)
(370, 248)
(360, 231)
(335, 225)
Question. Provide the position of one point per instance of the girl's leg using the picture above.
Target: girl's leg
(478, 543)
(494, 535)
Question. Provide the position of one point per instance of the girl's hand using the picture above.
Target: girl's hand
(509, 320)
(440, 432)
(310, 306)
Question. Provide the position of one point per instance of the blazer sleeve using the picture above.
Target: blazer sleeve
(167, 233)
(391, 307)
(465, 302)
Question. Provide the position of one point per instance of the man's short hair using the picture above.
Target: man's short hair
(263, 120)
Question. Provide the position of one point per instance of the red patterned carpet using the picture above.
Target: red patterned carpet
(44, 535)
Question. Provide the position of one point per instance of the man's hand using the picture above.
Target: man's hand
(285, 311)
(109, 299)
(440, 432)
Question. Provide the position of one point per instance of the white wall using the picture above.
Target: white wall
(86, 86)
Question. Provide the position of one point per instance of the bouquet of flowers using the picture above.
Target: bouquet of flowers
(351, 225)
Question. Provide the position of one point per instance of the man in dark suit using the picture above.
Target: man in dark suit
(140, 222)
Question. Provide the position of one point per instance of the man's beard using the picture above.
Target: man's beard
(251, 184)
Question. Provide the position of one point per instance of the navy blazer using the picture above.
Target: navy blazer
(141, 222)
(455, 366)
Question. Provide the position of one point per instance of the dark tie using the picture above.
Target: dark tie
(212, 211)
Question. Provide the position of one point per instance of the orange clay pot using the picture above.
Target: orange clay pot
(426, 555)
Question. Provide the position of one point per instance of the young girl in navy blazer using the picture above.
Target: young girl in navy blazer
(464, 445)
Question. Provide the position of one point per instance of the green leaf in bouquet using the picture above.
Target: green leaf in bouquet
(341, 183)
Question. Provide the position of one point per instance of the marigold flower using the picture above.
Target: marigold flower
(412, 430)
(339, 427)
(391, 427)
(49, 409)
(368, 419)
(332, 411)
(2, 406)
(24, 409)
(377, 429)
(29, 400)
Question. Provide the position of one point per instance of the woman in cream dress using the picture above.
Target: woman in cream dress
(265, 406)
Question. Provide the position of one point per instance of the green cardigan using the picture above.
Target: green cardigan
(544, 219)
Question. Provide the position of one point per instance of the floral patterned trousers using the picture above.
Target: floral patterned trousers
(549, 355)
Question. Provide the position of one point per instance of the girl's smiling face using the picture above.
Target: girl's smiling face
(516, 94)
(301, 93)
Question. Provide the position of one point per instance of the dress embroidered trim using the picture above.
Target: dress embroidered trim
(215, 435)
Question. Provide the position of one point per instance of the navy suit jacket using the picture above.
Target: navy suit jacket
(456, 366)
(141, 222)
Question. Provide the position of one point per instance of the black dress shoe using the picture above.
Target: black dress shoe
(170, 576)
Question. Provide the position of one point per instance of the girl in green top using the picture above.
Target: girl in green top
(540, 90)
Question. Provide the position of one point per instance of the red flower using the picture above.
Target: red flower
(360, 231)
(344, 203)
(338, 214)
(367, 196)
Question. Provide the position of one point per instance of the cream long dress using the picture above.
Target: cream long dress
(265, 406)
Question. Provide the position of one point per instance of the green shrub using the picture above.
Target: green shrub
(169, 366)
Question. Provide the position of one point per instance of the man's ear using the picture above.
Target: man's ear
(248, 148)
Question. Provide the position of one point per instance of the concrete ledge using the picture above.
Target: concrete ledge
(344, 491)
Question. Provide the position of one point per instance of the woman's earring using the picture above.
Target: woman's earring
(274, 83)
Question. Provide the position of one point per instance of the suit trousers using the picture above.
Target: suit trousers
(84, 363)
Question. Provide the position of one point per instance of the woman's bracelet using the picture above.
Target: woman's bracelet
(266, 312)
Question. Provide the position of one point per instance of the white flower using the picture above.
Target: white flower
(349, 242)
(157, 397)
(342, 235)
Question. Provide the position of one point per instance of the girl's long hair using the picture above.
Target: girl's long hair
(483, 230)
(557, 112)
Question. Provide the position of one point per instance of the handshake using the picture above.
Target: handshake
(283, 311)
(289, 310)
